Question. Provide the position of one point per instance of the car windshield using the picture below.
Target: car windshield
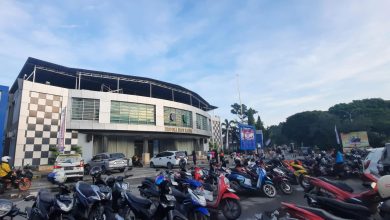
(180, 154)
(68, 159)
(117, 155)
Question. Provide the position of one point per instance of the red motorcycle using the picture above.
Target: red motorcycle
(226, 200)
(304, 212)
(341, 191)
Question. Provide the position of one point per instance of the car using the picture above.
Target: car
(384, 162)
(110, 162)
(371, 161)
(71, 164)
(168, 159)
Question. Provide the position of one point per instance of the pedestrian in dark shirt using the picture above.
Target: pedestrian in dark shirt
(194, 157)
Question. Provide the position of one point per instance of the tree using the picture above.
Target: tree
(236, 110)
(226, 129)
(259, 124)
(251, 116)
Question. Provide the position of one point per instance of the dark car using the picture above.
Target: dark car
(110, 161)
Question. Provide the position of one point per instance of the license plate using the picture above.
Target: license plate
(68, 168)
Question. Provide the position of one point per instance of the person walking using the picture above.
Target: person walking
(194, 157)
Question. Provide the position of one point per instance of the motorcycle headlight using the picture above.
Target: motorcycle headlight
(373, 185)
(5, 207)
(64, 207)
(124, 186)
(227, 182)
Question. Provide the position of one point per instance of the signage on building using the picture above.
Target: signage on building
(61, 133)
(178, 130)
(247, 137)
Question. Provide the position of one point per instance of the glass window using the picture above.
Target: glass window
(132, 113)
(202, 122)
(177, 117)
(85, 109)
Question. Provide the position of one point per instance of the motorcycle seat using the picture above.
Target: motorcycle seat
(85, 189)
(343, 207)
(340, 185)
(145, 203)
(150, 192)
(45, 196)
(180, 196)
(322, 213)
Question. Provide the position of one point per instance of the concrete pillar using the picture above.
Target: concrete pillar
(105, 143)
(145, 154)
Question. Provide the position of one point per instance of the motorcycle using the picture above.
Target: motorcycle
(9, 210)
(188, 193)
(137, 162)
(241, 181)
(226, 201)
(93, 202)
(280, 180)
(341, 191)
(339, 208)
(47, 207)
(300, 172)
(305, 212)
(383, 188)
(23, 183)
(163, 207)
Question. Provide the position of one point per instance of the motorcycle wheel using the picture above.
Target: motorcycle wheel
(269, 190)
(286, 187)
(24, 184)
(95, 214)
(304, 182)
(231, 209)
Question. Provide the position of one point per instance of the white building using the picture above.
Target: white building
(105, 112)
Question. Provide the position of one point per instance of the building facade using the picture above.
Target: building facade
(53, 106)
(216, 129)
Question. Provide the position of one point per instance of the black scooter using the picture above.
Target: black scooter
(48, 206)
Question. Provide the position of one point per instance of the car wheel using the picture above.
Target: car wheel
(152, 165)
(169, 165)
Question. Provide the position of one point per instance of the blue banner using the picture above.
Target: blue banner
(247, 137)
(3, 115)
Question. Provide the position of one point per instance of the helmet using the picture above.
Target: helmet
(57, 177)
(384, 186)
(6, 159)
(96, 172)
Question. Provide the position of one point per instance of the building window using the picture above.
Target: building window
(177, 117)
(132, 113)
(85, 109)
(202, 122)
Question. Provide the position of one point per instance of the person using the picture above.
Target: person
(6, 171)
(221, 155)
(208, 155)
(215, 155)
(194, 157)
(339, 162)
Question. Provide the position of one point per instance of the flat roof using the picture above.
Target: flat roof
(75, 78)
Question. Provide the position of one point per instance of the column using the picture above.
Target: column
(145, 154)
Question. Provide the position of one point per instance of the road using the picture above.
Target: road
(251, 204)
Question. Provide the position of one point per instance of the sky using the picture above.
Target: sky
(286, 56)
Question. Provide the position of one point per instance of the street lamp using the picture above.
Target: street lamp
(348, 113)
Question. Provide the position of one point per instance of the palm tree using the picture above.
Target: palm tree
(226, 129)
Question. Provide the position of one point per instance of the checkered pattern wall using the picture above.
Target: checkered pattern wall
(43, 123)
(216, 132)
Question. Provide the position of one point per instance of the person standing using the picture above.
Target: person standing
(194, 157)
(339, 163)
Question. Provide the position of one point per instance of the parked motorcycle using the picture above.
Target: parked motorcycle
(9, 210)
(48, 206)
(280, 180)
(163, 207)
(341, 191)
(383, 188)
(93, 202)
(226, 201)
(23, 183)
(241, 181)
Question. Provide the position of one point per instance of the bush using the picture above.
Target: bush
(77, 149)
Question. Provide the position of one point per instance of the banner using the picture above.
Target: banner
(247, 137)
(355, 139)
(3, 115)
(61, 132)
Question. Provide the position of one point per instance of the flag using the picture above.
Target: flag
(61, 133)
(337, 135)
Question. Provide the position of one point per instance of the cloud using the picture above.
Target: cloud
(290, 57)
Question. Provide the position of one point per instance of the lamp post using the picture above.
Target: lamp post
(348, 114)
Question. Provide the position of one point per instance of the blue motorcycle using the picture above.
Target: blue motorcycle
(254, 180)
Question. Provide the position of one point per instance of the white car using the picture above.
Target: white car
(71, 164)
(168, 159)
(370, 163)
